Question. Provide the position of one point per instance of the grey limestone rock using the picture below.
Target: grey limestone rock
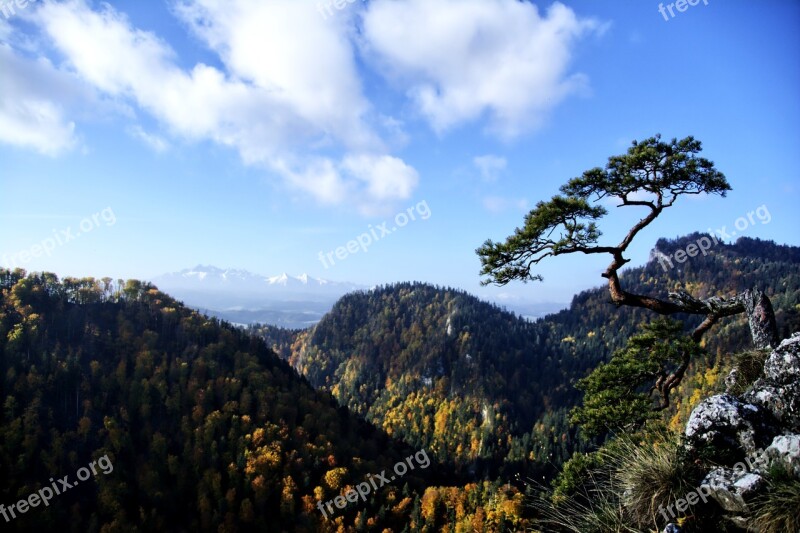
(732, 488)
(785, 449)
(779, 390)
(725, 421)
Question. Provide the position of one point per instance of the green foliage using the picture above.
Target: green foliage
(533, 242)
(387, 354)
(444, 371)
(658, 171)
(652, 474)
(206, 428)
(618, 392)
(652, 165)
(595, 510)
(574, 474)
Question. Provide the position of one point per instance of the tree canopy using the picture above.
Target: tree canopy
(617, 397)
(652, 176)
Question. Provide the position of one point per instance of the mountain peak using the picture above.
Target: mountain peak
(207, 277)
(281, 279)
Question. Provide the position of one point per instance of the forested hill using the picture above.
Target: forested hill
(723, 271)
(475, 384)
(437, 367)
(205, 427)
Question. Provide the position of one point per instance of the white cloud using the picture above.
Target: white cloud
(285, 47)
(30, 116)
(287, 92)
(319, 177)
(369, 182)
(124, 62)
(490, 166)
(462, 59)
(289, 87)
(386, 177)
(5, 30)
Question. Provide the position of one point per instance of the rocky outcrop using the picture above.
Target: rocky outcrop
(733, 489)
(778, 391)
(724, 421)
(785, 449)
(752, 433)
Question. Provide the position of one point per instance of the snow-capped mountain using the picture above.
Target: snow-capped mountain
(213, 278)
(285, 280)
(244, 297)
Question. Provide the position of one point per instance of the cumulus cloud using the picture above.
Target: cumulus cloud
(368, 182)
(318, 177)
(122, 61)
(286, 87)
(277, 99)
(30, 115)
(385, 176)
(462, 59)
(284, 47)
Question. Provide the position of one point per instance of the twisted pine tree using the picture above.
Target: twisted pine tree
(651, 176)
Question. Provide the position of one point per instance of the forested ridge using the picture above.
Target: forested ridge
(490, 391)
(209, 430)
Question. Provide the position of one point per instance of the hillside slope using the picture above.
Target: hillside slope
(481, 387)
(202, 426)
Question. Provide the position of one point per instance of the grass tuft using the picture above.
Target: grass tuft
(621, 488)
(652, 476)
(778, 510)
(750, 367)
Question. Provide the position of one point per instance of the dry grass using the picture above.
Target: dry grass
(593, 510)
(778, 511)
(624, 493)
(651, 476)
(750, 367)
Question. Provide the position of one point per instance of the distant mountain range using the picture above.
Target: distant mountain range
(242, 297)
(293, 302)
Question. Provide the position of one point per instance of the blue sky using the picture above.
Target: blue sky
(257, 134)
